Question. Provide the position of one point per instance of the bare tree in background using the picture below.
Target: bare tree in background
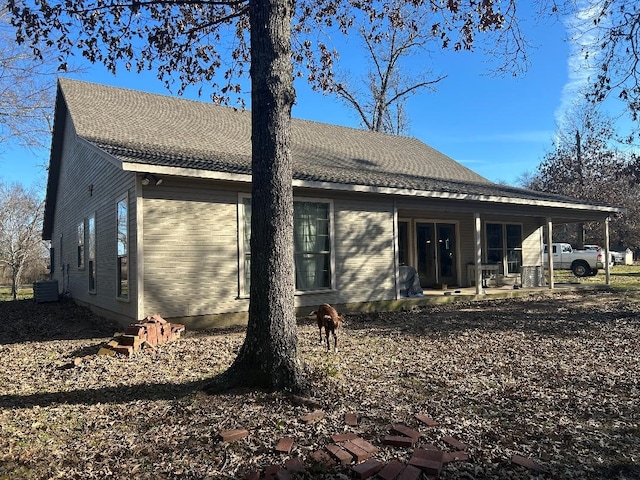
(27, 91)
(397, 46)
(380, 100)
(21, 244)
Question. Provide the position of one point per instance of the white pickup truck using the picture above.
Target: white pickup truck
(582, 263)
(615, 258)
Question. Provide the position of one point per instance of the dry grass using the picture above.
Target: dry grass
(555, 379)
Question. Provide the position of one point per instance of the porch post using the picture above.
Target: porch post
(550, 252)
(607, 268)
(478, 238)
(396, 262)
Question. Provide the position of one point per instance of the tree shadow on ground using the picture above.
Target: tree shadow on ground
(118, 394)
(556, 316)
(28, 321)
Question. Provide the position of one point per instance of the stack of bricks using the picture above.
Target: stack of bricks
(150, 332)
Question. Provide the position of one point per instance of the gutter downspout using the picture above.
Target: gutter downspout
(396, 262)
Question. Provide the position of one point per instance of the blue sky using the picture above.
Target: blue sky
(500, 127)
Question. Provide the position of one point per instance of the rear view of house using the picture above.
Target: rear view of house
(149, 203)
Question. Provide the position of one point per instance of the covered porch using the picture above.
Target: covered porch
(492, 249)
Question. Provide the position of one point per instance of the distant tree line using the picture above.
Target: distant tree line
(589, 162)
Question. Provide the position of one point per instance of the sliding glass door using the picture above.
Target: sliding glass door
(436, 251)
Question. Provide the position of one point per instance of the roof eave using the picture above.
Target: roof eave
(404, 192)
(55, 157)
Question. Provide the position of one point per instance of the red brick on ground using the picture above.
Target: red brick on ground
(455, 443)
(431, 465)
(410, 473)
(368, 469)
(234, 435)
(399, 441)
(404, 430)
(527, 463)
(312, 417)
(366, 446)
(458, 456)
(152, 334)
(391, 470)
(294, 465)
(284, 445)
(343, 437)
(429, 454)
(340, 454)
(428, 421)
(351, 419)
(358, 453)
(135, 329)
(323, 458)
(272, 470)
(177, 329)
(125, 350)
(130, 340)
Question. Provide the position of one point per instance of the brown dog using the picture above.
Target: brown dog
(328, 318)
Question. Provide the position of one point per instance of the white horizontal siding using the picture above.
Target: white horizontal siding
(190, 249)
(365, 257)
(89, 184)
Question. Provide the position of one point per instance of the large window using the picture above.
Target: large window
(81, 244)
(312, 247)
(122, 267)
(312, 244)
(504, 246)
(91, 253)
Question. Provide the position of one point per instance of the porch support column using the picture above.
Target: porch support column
(550, 252)
(477, 234)
(607, 267)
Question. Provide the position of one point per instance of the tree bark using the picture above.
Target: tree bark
(268, 358)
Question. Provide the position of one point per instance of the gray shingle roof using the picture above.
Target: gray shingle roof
(159, 130)
(171, 131)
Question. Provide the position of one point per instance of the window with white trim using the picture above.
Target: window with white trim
(312, 244)
(504, 246)
(91, 252)
(80, 249)
(122, 240)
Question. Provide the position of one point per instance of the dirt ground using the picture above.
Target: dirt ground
(552, 379)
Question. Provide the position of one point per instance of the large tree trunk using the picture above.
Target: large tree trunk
(268, 358)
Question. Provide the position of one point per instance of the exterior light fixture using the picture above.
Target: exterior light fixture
(149, 179)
